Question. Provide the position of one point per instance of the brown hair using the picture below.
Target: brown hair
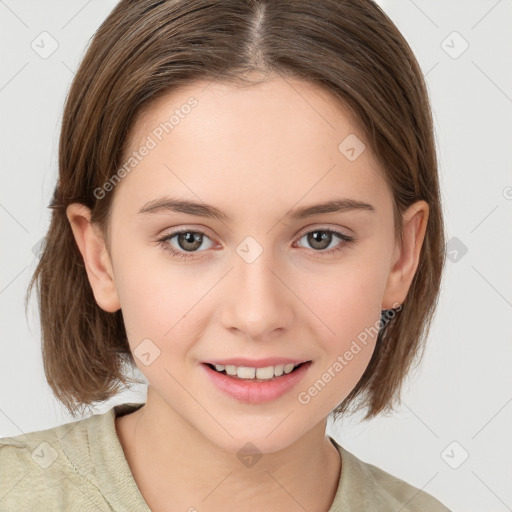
(147, 48)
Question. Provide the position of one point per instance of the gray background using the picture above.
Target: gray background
(458, 403)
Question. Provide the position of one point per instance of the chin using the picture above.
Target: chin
(257, 436)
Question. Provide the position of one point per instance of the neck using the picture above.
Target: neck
(174, 463)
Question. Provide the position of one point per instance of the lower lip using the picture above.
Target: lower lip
(256, 392)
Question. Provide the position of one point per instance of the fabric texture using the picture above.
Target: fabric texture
(81, 466)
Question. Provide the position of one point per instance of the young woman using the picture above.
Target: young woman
(248, 210)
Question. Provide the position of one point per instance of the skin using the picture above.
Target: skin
(255, 152)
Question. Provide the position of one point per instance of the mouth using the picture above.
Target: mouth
(252, 385)
(247, 373)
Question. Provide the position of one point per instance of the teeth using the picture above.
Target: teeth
(245, 372)
(265, 373)
(288, 368)
(230, 369)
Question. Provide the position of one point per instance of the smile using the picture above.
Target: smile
(244, 385)
(257, 374)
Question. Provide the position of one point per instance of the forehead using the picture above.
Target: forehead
(275, 106)
(279, 138)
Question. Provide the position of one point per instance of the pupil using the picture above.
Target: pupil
(190, 241)
(317, 239)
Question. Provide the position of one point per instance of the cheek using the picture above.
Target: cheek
(347, 307)
(159, 307)
(348, 300)
(155, 296)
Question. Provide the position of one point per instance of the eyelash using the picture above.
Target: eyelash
(163, 242)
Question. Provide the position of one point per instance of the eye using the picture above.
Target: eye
(187, 241)
(321, 239)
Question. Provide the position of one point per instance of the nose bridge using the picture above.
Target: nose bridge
(258, 301)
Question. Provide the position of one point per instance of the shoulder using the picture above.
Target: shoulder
(50, 469)
(366, 487)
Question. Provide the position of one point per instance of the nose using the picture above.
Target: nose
(258, 301)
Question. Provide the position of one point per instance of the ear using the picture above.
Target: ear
(406, 256)
(96, 258)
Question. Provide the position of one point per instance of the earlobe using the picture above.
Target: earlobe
(97, 261)
(406, 256)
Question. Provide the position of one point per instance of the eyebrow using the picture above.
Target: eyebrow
(166, 204)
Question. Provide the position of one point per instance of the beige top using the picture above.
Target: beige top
(81, 466)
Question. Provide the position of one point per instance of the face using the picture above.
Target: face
(263, 278)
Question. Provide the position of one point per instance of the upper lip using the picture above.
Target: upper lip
(256, 363)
